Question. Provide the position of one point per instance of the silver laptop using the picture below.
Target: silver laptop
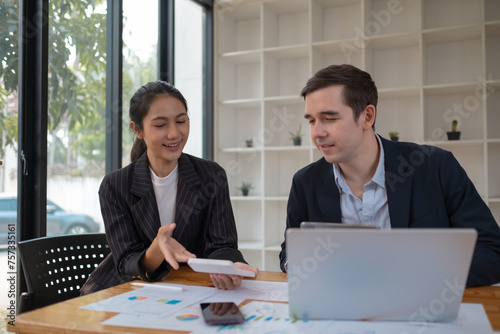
(415, 275)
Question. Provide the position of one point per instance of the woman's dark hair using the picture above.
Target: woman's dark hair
(359, 88)
(139, 108)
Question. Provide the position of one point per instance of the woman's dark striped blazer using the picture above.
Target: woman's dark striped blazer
(203, 216)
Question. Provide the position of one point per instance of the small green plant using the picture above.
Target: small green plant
(393, 134)
(249, 142)
(297, 135)
(245, 187)
(453, 134)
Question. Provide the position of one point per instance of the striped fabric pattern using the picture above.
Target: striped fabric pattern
(204, 219)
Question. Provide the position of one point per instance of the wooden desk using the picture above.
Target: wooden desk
(67, 316)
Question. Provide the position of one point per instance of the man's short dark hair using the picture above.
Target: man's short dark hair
(359, 88)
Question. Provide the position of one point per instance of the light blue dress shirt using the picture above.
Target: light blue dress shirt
(373, 208)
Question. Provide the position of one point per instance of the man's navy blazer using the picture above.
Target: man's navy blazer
(426, 188)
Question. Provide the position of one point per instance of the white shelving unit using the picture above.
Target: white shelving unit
(433, 61)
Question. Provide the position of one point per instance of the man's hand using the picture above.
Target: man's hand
(228, 282)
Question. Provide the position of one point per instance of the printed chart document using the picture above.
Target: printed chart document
(260, 317)
(268, 317)
(153, 300)
(258, 290)
(157, 307)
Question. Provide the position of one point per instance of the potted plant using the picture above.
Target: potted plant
(453, 134)
(245, 188)
(297, 136)
(394, 135)
(249, 142)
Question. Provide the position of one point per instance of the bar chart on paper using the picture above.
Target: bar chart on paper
(152, 300)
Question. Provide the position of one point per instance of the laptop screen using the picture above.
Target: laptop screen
(372, 274)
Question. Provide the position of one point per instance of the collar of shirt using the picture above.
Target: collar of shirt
(166, 179)
(378, 177)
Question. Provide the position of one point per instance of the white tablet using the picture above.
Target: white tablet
(213, 266)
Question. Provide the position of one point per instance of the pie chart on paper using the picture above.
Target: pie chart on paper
(187, 317)
(138, 298)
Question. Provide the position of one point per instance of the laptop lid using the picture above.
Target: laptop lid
(369, 274)
(334, 225)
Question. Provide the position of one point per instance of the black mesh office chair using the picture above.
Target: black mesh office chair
(55, 268)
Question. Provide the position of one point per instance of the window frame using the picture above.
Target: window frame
(33, 98)
(166, 62)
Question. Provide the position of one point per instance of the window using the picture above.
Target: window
(9, 12)
(76, 89)
(189, 26)
(76, 109)
(140, 60)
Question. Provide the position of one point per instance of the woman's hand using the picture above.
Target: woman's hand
(228, 282)
(172, 250)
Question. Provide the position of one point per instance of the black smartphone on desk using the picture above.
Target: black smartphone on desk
(221, 313)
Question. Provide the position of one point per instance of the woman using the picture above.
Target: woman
(166, 206)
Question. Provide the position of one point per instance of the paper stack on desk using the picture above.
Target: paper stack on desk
(155, 307)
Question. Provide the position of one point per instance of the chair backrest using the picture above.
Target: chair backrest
(55, 268)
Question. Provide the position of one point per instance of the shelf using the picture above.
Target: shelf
(400, 113)
(334, 20)
(432, 61)
(447, 13)
(245, 119)
(388, 93)
(441, 63)
(242, 167)
(279, 169)
(275, 214)
(495, 210)
(470, 154)
(442, 106)
(491, 10)
(454, 88)
(250, 245)
(390, 17)
(281, 117)
(493, 111)
(399, 53)
(493, 175)
(239, 27)
(241, 57)
(245, 76)
(246, 198)
(344, 52)
(249, 224)
(303, 147)
(492, 39)
(277, 199)
(275, 248)
(291, 99)
(285, 73)
(242, 103)
(283, 17)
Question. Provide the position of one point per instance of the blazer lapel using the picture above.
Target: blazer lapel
(328, 194)
(187, 197)
(398, 181)
(142, 187)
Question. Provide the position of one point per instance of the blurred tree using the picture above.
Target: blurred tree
(76, 79)
(76, 84)
(8, 72)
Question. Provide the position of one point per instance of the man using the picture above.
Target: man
(366, 179)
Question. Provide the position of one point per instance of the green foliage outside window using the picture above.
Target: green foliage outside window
(76, 83)
(76, 77)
